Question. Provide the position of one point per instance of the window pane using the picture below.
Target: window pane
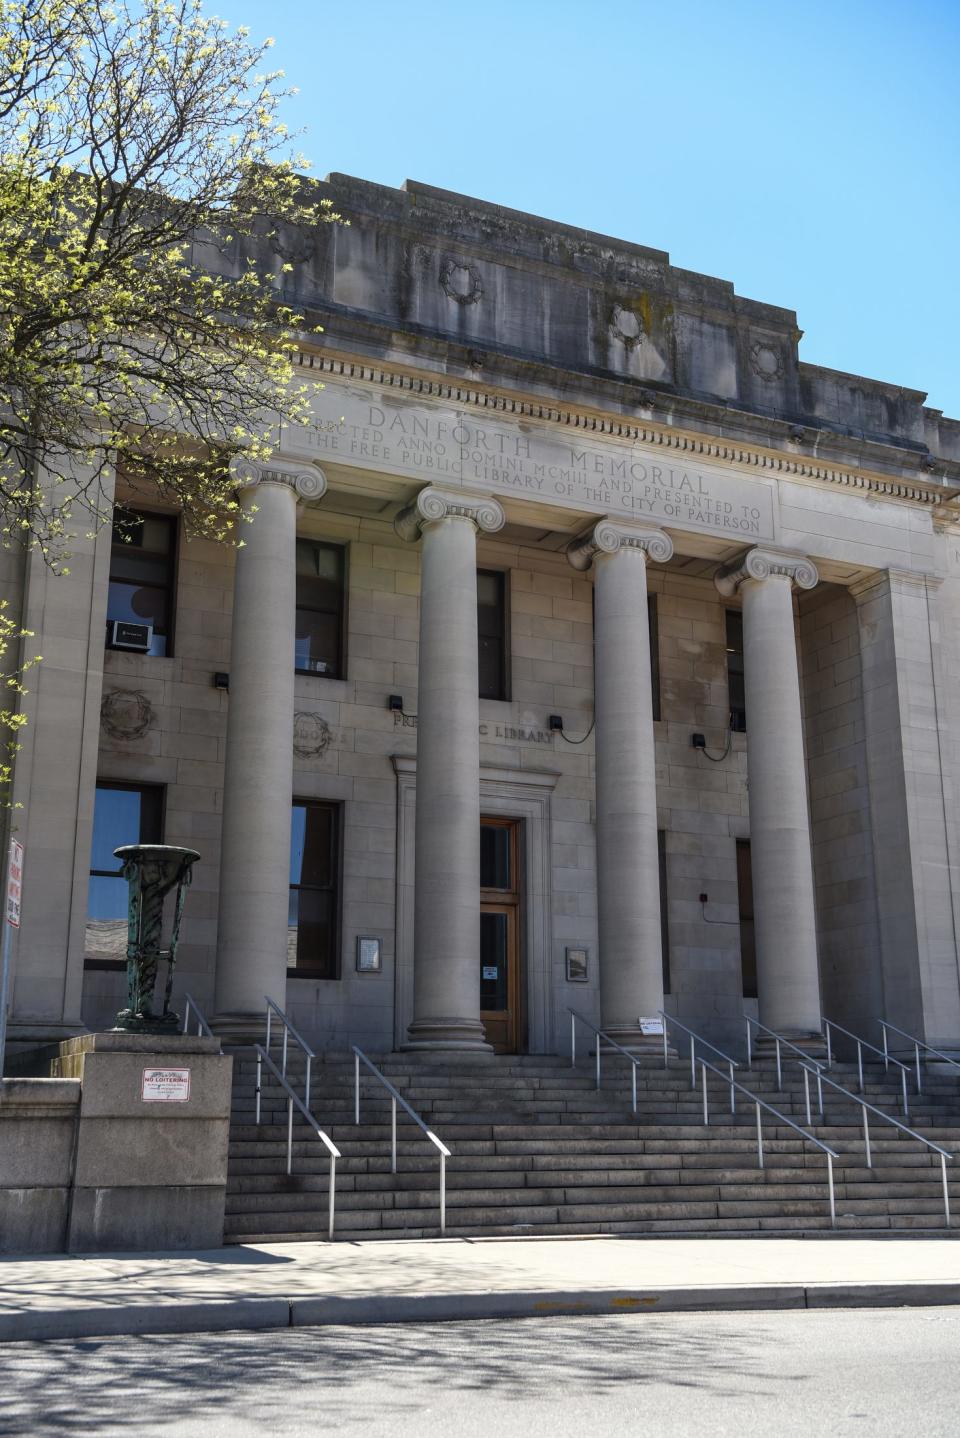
(735, 684)
(106, 934)
(313, 857)
(140, 605)
(664, 915)
(490, 656)
(748, 950)
(493, 962)
(320, 561)
(310, 932)
(116, 821)
(495, 857)
(654, 652)
(298, 839)
(492, 633)
(317, 642)
(318, 863)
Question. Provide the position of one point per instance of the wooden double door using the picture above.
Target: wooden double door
(501, 961)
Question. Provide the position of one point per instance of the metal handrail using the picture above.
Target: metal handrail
(795, 1048)
(203, 1028)
(759, 1104)
(288, 1029)
(397, 1098)
(862, 1044)
(293, 1099)
(918, 1044)
(695, 1039)
(823, 1078)
(634, 1061)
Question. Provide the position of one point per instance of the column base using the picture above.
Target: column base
(237, 1029)
(812, 1043)
(447, 1036)
(629, 1036)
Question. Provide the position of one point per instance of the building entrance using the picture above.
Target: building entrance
(501, 987)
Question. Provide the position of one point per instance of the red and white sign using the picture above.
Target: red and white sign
(14, 883)
(165, 1086)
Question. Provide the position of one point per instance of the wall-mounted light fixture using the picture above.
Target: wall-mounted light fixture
(555, 724)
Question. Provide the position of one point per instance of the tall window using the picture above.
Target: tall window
(123, 814)
(142, 574)
(748, 948)
(654, 653)
(664, 924)
(736, 693)
(313, 933)
(492, 633)
(320, 609)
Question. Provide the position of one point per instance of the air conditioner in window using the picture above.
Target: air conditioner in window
(123, 635)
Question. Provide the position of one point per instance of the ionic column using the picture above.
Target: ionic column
(446, 984)
(788, 981)
(258, 774)
(628, 865)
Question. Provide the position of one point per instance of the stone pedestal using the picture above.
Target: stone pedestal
(628, 863)
(447, 872)
(788, 981)
(150, 1169)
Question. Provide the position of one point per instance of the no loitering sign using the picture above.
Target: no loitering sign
(165, 1086)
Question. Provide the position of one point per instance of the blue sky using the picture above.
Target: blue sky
(806, 152)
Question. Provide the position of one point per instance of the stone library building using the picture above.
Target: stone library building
(590, 651)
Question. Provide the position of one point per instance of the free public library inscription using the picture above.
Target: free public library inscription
(367, 429)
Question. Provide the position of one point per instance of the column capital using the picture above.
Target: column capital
(763, 564)
(610, 535)
(433, 504)
(307, 480)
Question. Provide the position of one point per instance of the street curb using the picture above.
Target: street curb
(218, 1316)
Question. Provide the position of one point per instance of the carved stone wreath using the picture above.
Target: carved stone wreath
(766, 361)
(461, 282)
(626, 326)
(311, 735)
(126, 714)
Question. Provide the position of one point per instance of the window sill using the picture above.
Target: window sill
(313, 975)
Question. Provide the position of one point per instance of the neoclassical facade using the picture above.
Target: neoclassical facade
(589, 651)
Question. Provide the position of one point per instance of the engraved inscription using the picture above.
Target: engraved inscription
(412, 439)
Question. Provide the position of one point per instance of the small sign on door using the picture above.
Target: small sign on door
(490, 971)
(165, 1086)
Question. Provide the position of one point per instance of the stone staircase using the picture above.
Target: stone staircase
(536, 1149)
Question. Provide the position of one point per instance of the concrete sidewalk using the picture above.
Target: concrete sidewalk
(277, 1285)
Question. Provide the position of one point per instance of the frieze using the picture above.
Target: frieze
(522, 408)
(447, 447)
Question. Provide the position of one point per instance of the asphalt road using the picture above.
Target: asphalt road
(852, 1372)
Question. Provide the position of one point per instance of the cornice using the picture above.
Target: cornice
(607, 426)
